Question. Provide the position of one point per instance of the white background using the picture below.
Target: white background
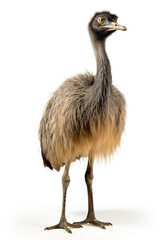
(41, 44)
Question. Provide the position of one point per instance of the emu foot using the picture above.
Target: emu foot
(64, 225)
(95, 222)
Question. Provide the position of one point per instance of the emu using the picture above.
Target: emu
(85, 117)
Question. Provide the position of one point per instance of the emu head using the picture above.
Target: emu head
(103, 24)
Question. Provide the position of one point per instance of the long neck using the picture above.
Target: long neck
(103, 76)
(97, 95)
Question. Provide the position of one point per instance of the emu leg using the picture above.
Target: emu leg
(91, 214)
(63, 222)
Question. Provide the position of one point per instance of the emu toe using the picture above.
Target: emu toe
(94, 222)
(64, 225)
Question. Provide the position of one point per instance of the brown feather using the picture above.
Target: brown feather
(65, 133)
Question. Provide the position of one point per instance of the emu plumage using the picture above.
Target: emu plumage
(85, 117)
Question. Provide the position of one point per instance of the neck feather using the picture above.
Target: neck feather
(99, 93)
(103, 75)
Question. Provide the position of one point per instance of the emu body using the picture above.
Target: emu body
(85, 117)
(72, 127)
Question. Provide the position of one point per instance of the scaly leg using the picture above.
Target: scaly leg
(91, 215)
(63, 222)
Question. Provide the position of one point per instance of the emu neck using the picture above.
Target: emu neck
(103, 75)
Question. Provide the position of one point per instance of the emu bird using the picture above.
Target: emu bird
(85, 117)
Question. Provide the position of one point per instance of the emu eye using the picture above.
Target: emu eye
(101, 20)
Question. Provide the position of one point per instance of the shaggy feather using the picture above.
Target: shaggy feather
(72, 127)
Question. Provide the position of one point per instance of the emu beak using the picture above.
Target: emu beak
(115, 26)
